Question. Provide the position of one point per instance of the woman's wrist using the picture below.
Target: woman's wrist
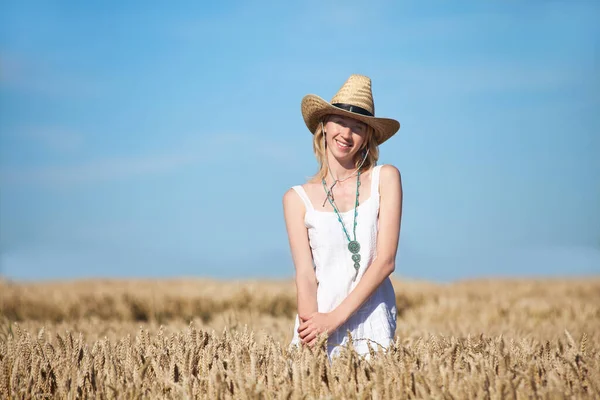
(339, 316)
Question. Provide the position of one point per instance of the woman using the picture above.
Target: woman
(344, 224)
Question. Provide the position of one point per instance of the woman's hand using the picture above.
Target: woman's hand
(317, 323)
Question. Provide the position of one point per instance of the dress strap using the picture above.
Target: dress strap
(375, 181)
(300, 190)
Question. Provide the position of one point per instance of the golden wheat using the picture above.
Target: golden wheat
(209, 339)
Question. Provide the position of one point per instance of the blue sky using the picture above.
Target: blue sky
(154, 140)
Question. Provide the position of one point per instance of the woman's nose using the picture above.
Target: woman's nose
(346, 132)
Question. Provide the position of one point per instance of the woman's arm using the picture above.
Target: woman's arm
(306, 281)
(390, 215)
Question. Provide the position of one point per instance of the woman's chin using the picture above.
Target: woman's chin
(343, 155)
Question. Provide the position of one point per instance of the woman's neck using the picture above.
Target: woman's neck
(340, 170)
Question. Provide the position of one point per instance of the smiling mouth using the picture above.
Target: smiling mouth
(342, 145)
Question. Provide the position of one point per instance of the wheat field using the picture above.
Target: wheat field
(199, 338)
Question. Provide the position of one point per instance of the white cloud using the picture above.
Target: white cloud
(34, 76)
(95, 170)
(54, 138)
(252, 146)
(482, 78)
(198, 151)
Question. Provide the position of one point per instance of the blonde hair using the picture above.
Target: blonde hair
(321, 153)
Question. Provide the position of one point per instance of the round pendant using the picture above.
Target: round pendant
(356, 257)
(356, 266)
(354, 247)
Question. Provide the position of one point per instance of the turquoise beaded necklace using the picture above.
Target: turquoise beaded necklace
(353, 244)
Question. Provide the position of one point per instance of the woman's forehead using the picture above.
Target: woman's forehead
(345, 119)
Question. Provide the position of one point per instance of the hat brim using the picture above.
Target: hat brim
(314, 108)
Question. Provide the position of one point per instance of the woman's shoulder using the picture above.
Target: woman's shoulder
(292, 194)
(389, 172)
(390, 180)
(310, 185)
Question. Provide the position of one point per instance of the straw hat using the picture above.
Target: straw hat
(354, 100)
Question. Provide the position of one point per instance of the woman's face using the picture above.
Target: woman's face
(345, 136)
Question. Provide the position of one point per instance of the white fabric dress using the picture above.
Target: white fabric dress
(375, 320)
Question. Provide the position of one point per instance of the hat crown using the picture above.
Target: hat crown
(356, 91)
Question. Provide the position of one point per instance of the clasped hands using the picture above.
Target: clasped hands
(313, 325)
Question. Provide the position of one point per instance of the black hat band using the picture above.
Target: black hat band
(353, 109)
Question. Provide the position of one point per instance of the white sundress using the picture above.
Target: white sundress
(375, 320)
